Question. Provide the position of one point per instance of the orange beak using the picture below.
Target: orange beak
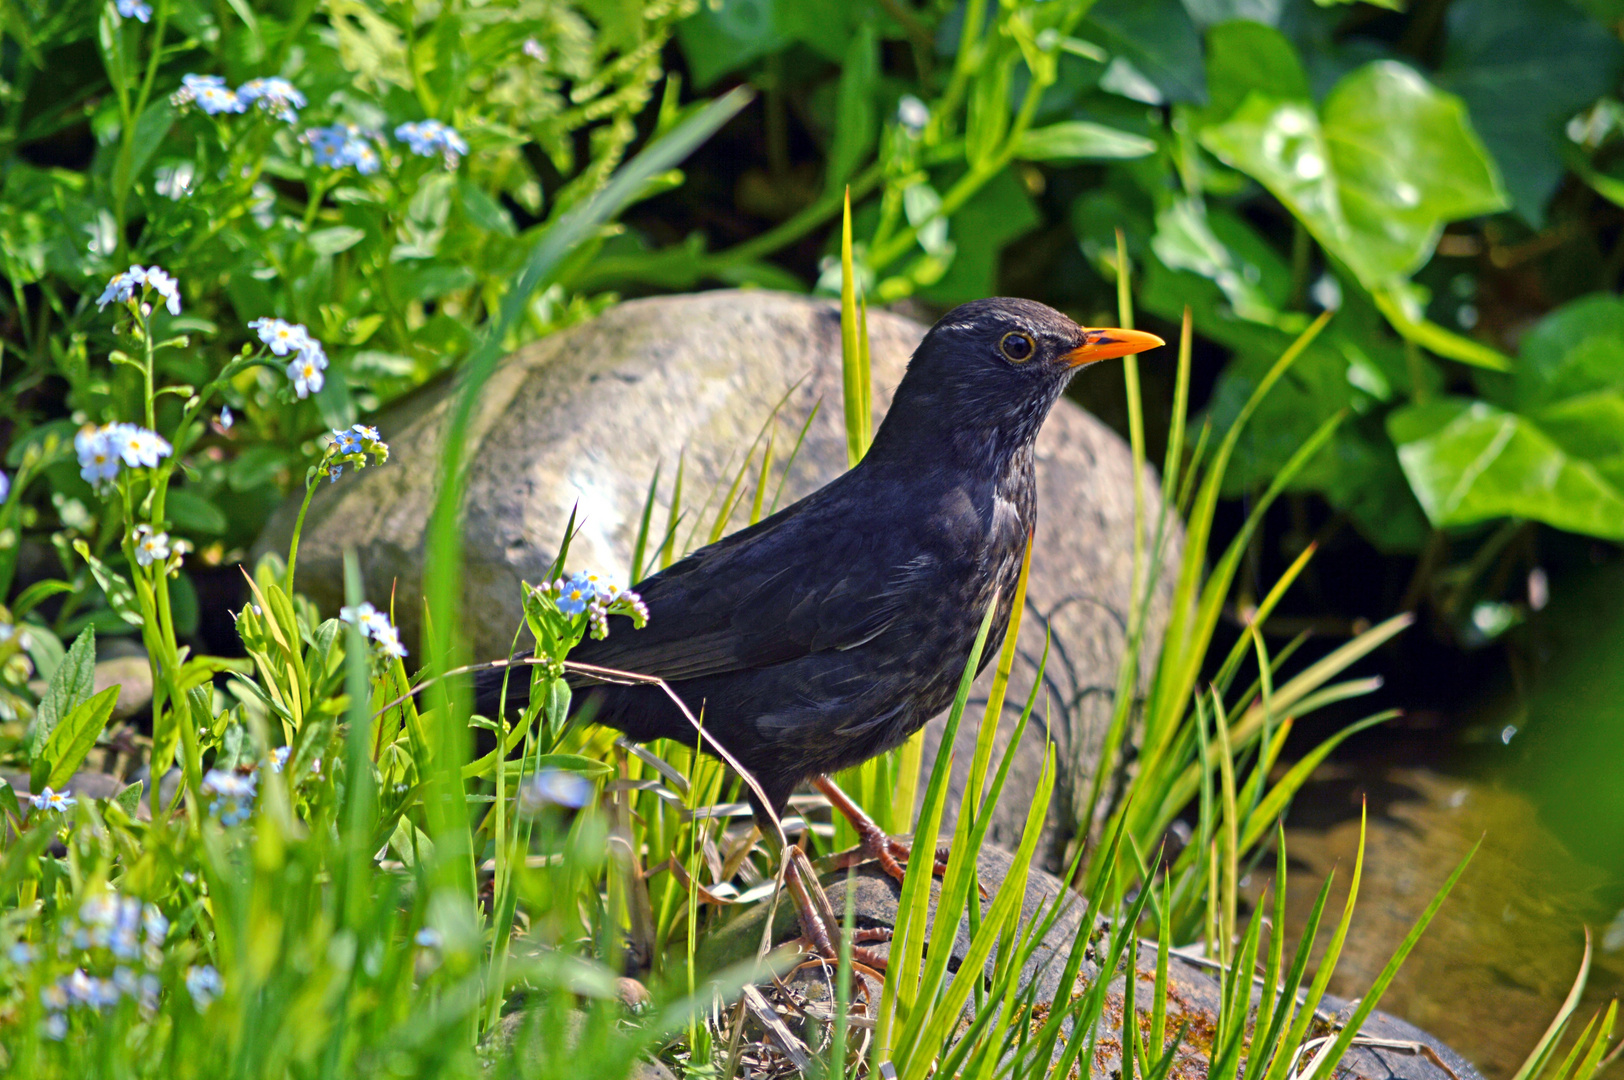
(1104, 344)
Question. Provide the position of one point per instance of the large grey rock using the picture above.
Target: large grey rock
(1194, 993)
(582, 419)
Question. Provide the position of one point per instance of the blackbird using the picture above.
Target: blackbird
(834, 629)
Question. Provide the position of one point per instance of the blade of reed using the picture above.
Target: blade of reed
(1592, 1062)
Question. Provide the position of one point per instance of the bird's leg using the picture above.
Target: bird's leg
(820, 930)
(875, 842)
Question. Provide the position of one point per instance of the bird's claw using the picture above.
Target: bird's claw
(875, 843)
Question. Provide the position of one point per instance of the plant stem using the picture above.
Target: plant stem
(298, 523)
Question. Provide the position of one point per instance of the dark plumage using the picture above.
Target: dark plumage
(834, 629)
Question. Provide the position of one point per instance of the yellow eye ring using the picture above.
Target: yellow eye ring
(1017, 347)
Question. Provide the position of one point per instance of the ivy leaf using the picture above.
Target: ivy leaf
(1469, 461)
(1160, 41)
(1576, 349)
(1243, 56)
(1376, 177)
(1184, 240)
(1523, 67)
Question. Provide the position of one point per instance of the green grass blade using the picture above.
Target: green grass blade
(909, 938)
(1274, 803)
(1371, 997)
(1535, 1063)
(795, 451)
(1270, 1046)
(761, 479)
(640, 546)
(1327, 966)
(851, 347)
(1592, 1062)
(1006, 908)
(1579, 1047)
(1183, 644)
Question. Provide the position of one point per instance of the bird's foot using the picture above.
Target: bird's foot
(820, 929)
(873, 841)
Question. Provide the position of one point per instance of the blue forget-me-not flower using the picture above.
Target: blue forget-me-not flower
(426, 138)
(275, 95)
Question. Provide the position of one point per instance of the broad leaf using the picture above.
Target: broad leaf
(1185, 241)
(1376, 177)
(1577, 349)
(1243, 57)
(1523, 67)
(1468, 462)
(1159, 39)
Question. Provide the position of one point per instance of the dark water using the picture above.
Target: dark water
(1535, 769)
(1501, 955)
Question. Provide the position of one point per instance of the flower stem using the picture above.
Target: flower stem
(298, 524)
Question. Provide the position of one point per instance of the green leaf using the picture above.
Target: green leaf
(855, 119)
(36, 593)
(425, 280)
(724, 36)
(150, 128)
(1577, 349)
(8, 801)
(1591, 427)
(483, 211)
(1159, 39)
(74, 737)
(194, 514)
(1185, 241)
(256, 466)
(1243, 56)
(1079, 140)
(114, 585)
(999, 212)
(1208, 12)
(1375, 180)
(1468, 462)
(333, 240)
(1523, 67)
(129, 799)
(71, 684)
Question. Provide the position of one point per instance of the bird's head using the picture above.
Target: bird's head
(991, 370)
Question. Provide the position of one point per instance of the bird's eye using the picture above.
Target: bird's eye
(1017, 346)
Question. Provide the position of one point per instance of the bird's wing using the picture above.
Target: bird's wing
(799, 583)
